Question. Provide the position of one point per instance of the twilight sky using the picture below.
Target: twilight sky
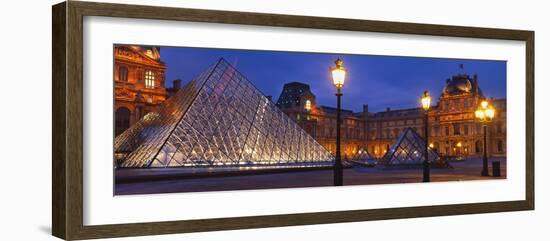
(379, 81)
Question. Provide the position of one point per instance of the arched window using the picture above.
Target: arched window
(149, 79)
(122, 120)
(123, 73)
(500, 146)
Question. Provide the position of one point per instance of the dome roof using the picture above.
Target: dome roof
(461, 84)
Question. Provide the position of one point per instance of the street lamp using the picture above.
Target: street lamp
(485, 114)
(338, 77)
(426, 99)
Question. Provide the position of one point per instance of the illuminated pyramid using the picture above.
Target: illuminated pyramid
(361, 155)
(218, 119)
(408, 150)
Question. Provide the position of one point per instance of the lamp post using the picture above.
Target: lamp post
(338, 77)
(426, 99)
(485, 114)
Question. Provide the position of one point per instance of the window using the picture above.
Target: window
(308, 105)
(499, 128)
(478, 146)
(456, 129)
(466, 129)
(500, 145)
(435, 131)
(149, 79)
(446, 130)
(123, 73)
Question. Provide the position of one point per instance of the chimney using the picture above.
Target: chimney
(365, 109)
(448, 80)
(176, 84)
(388, 108)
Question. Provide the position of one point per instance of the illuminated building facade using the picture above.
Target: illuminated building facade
(138, 82)
(453, 129)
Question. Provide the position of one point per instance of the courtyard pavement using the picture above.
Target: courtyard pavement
(469, 169)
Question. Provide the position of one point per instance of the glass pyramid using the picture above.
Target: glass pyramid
(361, 155)
(409, 150)
(218, 119)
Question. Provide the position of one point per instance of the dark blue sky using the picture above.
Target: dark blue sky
(379, 81)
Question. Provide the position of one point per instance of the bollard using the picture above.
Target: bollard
(496, 168)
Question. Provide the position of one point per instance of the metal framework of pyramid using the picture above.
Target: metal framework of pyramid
(218, 119)
(408, 150)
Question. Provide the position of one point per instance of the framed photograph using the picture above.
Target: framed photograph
(171, 120)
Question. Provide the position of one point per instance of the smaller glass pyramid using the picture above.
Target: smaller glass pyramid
(361, 155)
(408, 150)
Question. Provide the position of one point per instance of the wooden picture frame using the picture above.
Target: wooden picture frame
(67, 124)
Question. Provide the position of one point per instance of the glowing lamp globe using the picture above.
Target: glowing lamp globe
(338, 74)
(426, 100)
(485, 112)
(490, 113)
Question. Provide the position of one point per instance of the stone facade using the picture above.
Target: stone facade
(138, 82)
(453, 129)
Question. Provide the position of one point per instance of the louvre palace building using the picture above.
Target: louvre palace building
(453, 129)
(139, 84)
